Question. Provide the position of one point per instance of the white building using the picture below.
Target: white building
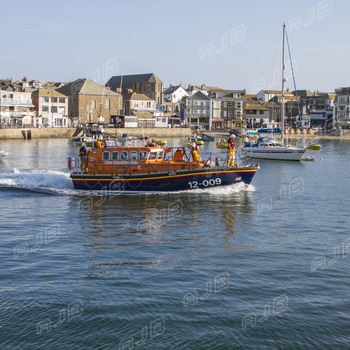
(144, 108)
(16, 109)
(342, 108)
(51, 108)
(175, 94)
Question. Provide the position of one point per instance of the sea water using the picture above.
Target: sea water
(263, 267)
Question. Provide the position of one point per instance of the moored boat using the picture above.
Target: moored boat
(222, 143)
(120, 168)
(269, 148)
(207, 138)
(314, 146)
(3, 153)
(197, 140)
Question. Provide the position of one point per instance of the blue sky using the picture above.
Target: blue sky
(227, 43)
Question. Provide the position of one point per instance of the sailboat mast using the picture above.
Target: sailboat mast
(283, 81)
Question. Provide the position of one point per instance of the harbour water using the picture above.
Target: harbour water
(263, 267)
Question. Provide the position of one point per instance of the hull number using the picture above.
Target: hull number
(205, 183)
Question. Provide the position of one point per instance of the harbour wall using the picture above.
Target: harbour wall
(38, 133)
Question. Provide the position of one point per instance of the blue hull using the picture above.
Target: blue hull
(165, 182)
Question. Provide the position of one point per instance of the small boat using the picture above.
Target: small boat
(207, 138)
(3, 153)
(137, 169)
(222, 143)
(160, 142)
(314, 146)
(308, 158)
(196, 140)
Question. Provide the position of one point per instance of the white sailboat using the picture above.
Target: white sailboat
(268, 147)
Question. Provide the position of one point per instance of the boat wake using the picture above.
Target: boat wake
(223, 191)
(41, 181)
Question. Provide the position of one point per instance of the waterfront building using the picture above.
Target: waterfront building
(341, 108)
(144, 108)
(16, 108)
(173, 96)
(175, 93)
(148, 84)
(197, 111)
(51, 108)
(90, 102)
(227, 108)
(257, 114)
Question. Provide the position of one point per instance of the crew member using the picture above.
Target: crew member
(83, 157)
(195, 153)
(99, 143)
(231, 150)
(179, 155)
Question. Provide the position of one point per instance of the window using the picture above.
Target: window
(108, 104)
(225, 104)
(46, 99)
(54, 99)
(341, 99)
(53, 109)
(160, 155)
(133, 155)
(45, 108)
(105, 155)
(61, 100)
(143, 155)
(115, 155)
(93, 104)
(153, 155)
(124, 155)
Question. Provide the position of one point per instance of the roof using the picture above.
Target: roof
(303, 93)
(171, 89)
(48, 93)
(146, 115)
(85, 87)
(272, 92)
(199, 96)
(127, 81)
(133, 96)
(255, 105)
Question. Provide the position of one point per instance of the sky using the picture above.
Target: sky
(226, 43)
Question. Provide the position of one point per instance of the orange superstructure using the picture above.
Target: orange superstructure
(137, 160)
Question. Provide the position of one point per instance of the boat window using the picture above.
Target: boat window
(153, 155)
(105, 155)
(133, 155)
(115, 155)
(160, 155)
(143, 155)
(124, 155)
